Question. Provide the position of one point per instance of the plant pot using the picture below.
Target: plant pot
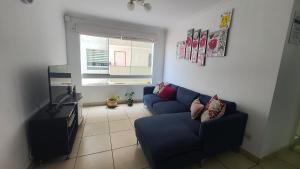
(111, 103)
(130, 103)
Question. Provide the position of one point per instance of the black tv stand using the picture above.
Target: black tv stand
(52, 134)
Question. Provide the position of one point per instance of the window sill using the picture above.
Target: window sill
(114, 84)
(115, 81)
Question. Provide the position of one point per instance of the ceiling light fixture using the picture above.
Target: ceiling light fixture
(27, 1)
(131, 5)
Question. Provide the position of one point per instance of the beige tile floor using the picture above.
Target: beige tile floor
(106, 140)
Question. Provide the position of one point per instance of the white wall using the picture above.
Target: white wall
(105, 27)
(248, 74)
(31, 38)
(284, 115)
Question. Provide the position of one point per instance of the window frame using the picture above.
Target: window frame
(109, 76)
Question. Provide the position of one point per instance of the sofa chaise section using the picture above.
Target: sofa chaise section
(172, 141)
(166, 136)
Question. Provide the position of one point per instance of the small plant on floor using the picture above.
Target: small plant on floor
(112, 101)
(130, 96)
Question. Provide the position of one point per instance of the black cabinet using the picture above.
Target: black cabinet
(52, 133)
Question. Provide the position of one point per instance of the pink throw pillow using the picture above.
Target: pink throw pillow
(196, 109)
(167, 93)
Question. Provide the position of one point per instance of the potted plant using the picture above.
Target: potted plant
(130, 96)
(112, 102)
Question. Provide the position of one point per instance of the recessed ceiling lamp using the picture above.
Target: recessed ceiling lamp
(131, 5)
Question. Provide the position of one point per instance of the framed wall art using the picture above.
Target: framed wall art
(180, 50)
(188, 43)
(225, 19)
(195, 46)
(217, 43)
(202, 48)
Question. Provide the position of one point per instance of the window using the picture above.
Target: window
(94, 55)
(115, 61)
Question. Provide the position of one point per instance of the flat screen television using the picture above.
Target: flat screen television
(60, 83)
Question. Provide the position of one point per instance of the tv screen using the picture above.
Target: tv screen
(60, 82)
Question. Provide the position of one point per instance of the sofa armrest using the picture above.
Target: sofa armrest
(223, 134)
(148, 90)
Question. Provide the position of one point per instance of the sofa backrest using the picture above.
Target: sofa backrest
(230, 106)
(186, 96)
(204, 99)
(174, 86)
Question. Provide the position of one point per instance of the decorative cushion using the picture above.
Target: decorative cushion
(167, 93)
(196, 108)
(158, 88)
(214, 109)
(230, 106)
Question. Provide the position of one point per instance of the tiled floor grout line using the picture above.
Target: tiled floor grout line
(95, 153)
(129, 120)
(131, 116)
(282, 160)
(81, 137)
(76, 157)
(125, 146)
(222, 163)
(112, 152)
(105, 133)
(75, 162)
(120, 131)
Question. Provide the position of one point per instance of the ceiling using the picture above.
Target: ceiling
(164, 13)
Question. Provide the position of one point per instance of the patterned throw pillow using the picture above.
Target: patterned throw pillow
(158, 88)
(214, 109)
(196, 109)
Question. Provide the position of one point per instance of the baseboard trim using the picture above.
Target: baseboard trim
(91, 104)
(249, 155)
(274, 153)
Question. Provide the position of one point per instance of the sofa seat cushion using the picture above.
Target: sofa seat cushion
(186, 96)
(169, 107)
(150, 99)
(168, 135)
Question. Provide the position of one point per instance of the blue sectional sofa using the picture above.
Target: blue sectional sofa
(171, 139)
